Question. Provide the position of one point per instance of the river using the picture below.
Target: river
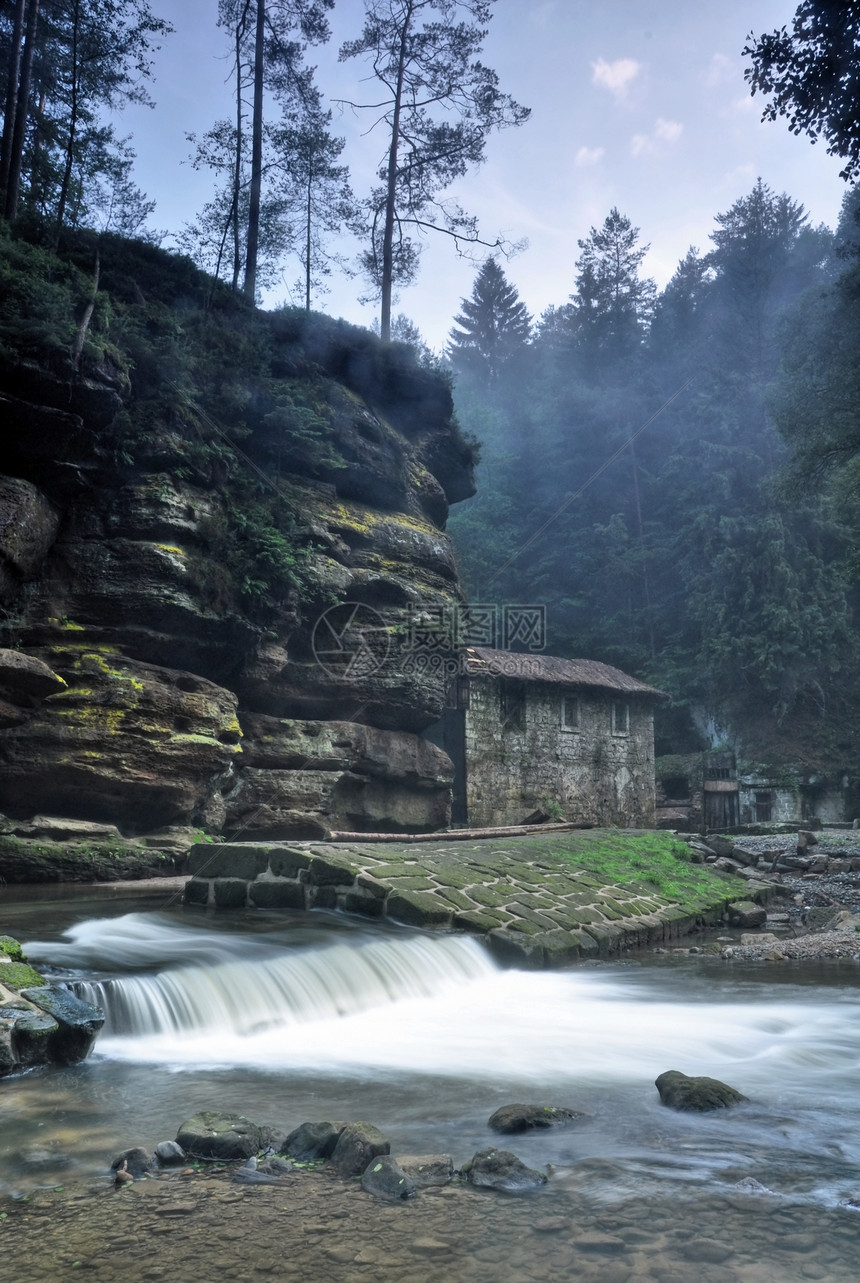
(316, 1016)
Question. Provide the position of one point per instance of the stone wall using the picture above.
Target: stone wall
(595, 773)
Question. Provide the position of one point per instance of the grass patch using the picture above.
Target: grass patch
(647, 862)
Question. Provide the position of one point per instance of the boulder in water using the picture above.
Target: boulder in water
(500, 1169)
(222, 1137)
(696, 1095)
(511, 1119)
(385, 1178)
(357, 1145)
(77, 1022)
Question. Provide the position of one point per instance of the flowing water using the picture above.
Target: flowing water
(286, 1019)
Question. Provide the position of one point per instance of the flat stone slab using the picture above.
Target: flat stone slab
(524, 896)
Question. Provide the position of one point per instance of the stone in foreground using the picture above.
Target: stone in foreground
(500, 1169)
(696, 1095)
(137, 1161)
(385, 1178)
(512, 1119)
(357, 1145)
(311, 1141)
(222, 1137)
(426, 1170)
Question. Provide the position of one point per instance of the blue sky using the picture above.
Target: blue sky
(636, 104)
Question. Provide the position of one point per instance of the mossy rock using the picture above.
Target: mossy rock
(19, 975)
(450, 896)
(419, 909)
(11, 948)
(479, 923)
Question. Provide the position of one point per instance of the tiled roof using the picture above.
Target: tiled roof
(482, 661)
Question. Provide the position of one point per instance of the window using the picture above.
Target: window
(676, 787)
(620, 717)
(513, 706)
(570, 713)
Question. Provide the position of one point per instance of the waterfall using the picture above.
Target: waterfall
(248, 996)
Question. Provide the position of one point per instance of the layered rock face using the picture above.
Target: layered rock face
(218, 634)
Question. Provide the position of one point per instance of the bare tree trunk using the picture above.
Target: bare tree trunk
(73, 125)
(19, 129)
(237, 164)
(646, 588)
(256, 160)
(308, 236)
(14, 73)
(80, 337)
(391, 190)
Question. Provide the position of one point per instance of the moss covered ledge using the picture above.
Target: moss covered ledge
(544, 900)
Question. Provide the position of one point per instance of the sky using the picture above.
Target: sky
(639, 104)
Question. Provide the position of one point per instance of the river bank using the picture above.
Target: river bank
(635, 1190)
(316, 1227)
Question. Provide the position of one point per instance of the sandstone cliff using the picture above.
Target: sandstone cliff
(186, 488)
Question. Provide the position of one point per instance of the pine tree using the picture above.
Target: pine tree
(492, 327)
(613, 303)
(438, 103)
(79, 60)
(267, 56)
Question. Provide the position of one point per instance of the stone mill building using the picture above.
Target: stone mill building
(561, 737)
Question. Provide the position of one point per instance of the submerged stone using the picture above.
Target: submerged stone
(426, 1170)
(511, 1119)
(500, 1169)
(696, 1095)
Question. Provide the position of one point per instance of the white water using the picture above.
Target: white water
(439, 1005)
(425, 1036)
(291, 1020)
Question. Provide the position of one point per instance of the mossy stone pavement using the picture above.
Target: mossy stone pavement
(545, 900)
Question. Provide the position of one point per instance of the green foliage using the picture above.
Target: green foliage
(492, 328)
(42, 299)
(810, 72)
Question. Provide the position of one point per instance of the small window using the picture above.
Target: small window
(570, 713)
(513, 706)
(676, 786)
(620, 717)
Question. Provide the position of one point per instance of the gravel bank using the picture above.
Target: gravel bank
(816, 913)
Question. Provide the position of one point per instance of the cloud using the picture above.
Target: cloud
(588, 156)
(747, 105)
(745, 173)
(666, 133)
(615, 76)
(720, 70)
